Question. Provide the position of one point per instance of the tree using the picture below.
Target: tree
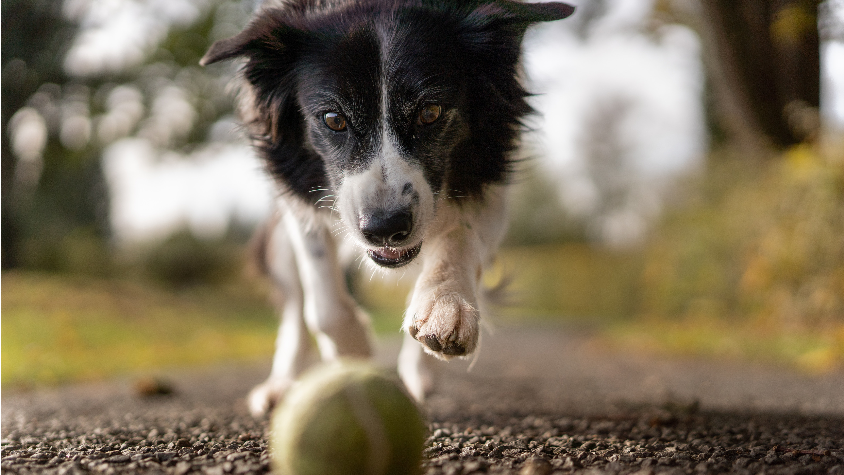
(56, 124)
(763, 59)
(35, 38)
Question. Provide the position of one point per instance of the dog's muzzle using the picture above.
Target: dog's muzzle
(390, 232)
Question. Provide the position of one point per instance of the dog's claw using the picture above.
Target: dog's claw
(433, 343)
(454, 349)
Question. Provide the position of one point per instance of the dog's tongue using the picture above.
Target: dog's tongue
(389, 253)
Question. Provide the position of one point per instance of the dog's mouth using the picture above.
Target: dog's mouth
(392, 257)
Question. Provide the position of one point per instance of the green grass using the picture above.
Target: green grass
(577, 281)
(57, 328)
(579, 285)
(572, 282)
(813, 352)
(63, 328)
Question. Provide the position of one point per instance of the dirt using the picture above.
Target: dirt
(538, 400)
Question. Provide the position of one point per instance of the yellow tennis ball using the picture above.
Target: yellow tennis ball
(347, 418)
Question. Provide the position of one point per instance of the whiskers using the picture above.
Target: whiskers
(340, 230)
(326, 201)
(450, 195)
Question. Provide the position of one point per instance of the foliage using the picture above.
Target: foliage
(537, 215)
(59, 117)
(570, 281)
(758, 245)
(35, 37)
(183, 261)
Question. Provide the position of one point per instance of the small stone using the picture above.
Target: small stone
(165, 456)
(536, 466)
(236, 456)
(185, 443)
(151, 386)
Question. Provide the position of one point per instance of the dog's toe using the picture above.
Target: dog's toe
(443, 349)
(447, 347)
(263, 397)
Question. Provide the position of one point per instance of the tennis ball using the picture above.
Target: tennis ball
(347, 418)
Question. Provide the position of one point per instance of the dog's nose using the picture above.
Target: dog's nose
(387, 228)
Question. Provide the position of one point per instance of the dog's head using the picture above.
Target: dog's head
(383, 108)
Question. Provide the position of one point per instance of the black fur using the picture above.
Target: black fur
(316, 56)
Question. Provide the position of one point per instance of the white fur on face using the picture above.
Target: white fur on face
(383, 187)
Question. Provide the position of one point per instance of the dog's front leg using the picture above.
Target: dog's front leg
(443, 313)
(339, 327)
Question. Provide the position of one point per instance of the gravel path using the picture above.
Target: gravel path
(539, 400)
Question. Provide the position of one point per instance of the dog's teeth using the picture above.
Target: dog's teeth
(389, 253)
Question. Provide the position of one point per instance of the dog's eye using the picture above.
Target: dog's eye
(335, 121)
(429, 114)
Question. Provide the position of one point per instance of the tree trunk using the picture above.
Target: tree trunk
(764, 62)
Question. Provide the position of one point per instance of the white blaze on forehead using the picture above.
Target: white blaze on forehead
(398, 171)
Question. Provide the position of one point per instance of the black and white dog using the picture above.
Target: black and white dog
(388, 125)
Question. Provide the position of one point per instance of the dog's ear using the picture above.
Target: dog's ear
(491, 21)
(224, 49)
(509, 17)
(271, 45)
(269, 33)
(533, 12)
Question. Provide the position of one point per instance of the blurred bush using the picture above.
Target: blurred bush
(78, 78)
(184, 260)
(756, 242)
(78, 251)
(536, 214)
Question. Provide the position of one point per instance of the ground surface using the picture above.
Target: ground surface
(539, 400)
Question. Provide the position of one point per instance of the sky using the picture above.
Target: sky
(656, 84)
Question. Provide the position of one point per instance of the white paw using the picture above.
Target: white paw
(266, 395)
(444, 321)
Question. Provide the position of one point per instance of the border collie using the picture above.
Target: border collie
(388, 125)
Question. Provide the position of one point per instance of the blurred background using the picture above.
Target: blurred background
(683, 193)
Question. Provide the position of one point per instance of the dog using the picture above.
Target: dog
(388, 126)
